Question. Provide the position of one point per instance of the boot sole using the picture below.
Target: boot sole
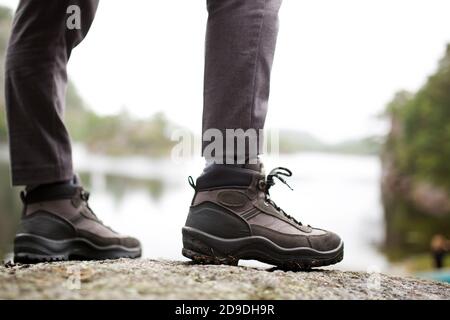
(30, 248)
(204, 248)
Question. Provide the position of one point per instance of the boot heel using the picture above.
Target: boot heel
(200, 258)
(201, 253)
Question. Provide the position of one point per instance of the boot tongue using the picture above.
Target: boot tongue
(258, 167)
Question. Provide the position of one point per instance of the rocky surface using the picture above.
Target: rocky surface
(150, 279)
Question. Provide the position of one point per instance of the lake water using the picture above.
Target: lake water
(149, 199)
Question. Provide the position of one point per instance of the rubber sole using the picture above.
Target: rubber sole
(204, 248)
(30, 248)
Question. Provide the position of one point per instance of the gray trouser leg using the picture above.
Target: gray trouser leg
(240, 45)
(35, 86)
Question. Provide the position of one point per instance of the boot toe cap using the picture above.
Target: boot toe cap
(326, 242)
(130, 242)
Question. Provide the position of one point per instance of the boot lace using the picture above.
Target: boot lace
(277, 173)
(85, 195)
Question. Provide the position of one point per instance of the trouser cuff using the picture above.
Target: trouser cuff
(40, 175)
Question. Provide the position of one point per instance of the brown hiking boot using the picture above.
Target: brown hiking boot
(232, 217)
(58, 225)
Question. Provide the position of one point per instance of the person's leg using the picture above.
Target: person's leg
(240, 45)
(57, 223)
(232, 216)
(35, 85)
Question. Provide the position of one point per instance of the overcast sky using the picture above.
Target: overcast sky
(337, 62)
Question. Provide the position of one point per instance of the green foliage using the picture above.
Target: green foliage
(421, 130)
(5, 27)
(292, 141)
(116, 134)
(9, 209)
(409, 230)
(417, 152)
(120, 134)
(3, 133)
(365, 146)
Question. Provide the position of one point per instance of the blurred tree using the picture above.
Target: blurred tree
(5, 28)
(426, 131)
(416, 166)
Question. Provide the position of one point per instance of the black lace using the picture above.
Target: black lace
(85, 195)
(270, 182)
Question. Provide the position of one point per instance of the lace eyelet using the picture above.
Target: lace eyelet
(262, 185)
